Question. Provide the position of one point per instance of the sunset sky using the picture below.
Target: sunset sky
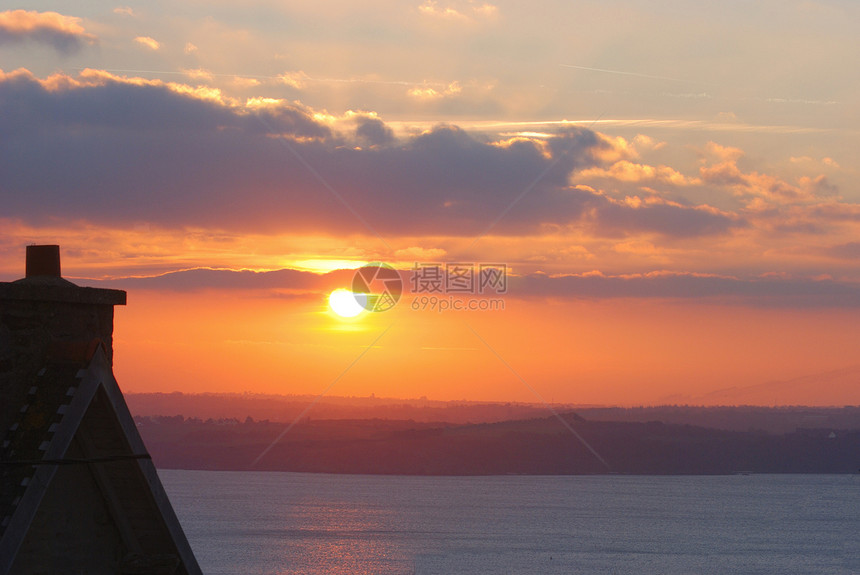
(671, 187)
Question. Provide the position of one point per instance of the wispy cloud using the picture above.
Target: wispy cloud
(148, 42)
(460, 11)
(427, 92)
(628, 73)
(124, 11)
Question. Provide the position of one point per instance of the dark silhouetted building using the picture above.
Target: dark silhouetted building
(79, 493)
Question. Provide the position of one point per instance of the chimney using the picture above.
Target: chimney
(43, 261)
(44, 315)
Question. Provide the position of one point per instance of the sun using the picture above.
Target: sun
(344, 303)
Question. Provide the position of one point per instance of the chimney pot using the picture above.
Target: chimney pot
(43, 261)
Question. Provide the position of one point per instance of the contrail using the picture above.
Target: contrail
(623, 73)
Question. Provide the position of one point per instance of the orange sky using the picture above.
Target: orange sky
(624, 351)
(675, 200)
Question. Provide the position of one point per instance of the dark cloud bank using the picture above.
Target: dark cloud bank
(116, 152)
(769, 292)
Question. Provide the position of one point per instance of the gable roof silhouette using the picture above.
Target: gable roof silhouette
(79, 490)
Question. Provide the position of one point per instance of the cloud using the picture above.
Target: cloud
(826, 161)
(722, 153)
(124, 11)
(64, 33)
(242, 83)
(295, 80)
(760, 191)
(373, 131)
(130, 150)
(643, 142)
(207, 278)
(427, 92)
(198, 74)
(669, 218)
(148, 42)
(847, 251)
(759, 291)
(765, 291)
(420, 254)
(626, 171)
(460, 11)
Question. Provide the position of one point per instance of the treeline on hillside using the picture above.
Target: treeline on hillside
(532, 446)
(287, 408)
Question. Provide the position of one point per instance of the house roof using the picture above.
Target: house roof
(75, 440)
(78, 490)
(44, 288)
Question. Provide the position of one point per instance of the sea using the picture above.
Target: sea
(248, 523)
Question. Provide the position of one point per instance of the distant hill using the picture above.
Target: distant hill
(285, 408)
(288, 407)
(776, 420)
(809, 390)
(531, 446)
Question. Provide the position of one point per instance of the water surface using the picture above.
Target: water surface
(291, 523)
